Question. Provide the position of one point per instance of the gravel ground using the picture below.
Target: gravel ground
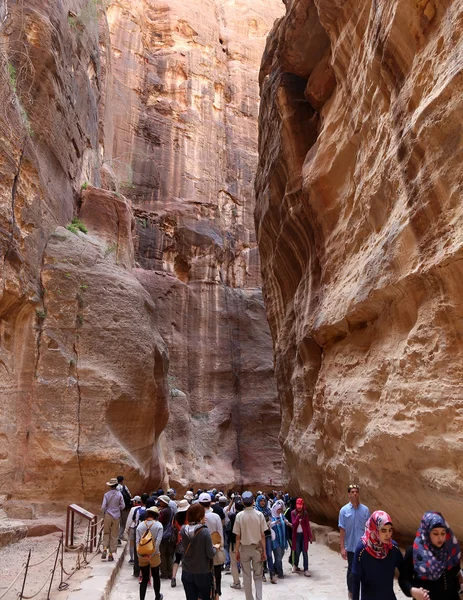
(14, 556)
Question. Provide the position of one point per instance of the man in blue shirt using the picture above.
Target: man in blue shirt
(352, 519)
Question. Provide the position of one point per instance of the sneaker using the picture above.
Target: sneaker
(119, 542)
(160, 597)
(104, 555)
(273, 579)
(306, 573)
(235, 586)
(173, 582)
(264, 579)
(110, 558)
(131, 561)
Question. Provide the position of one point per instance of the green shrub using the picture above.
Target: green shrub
(76, 225)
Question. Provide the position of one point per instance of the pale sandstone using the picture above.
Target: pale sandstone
(359, 226)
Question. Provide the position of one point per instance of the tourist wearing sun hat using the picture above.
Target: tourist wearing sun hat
(113, 504)
(189, 496)
(179, 520)
(166, 515)
(131, 525)
(150, 562)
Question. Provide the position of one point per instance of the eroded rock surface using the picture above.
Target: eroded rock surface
(359, 226)
(185, 154)
(140, 119)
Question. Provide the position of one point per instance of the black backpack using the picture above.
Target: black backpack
(126, 496)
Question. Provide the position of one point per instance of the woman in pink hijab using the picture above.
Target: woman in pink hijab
(302, 535)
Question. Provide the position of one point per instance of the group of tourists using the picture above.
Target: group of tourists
(211, 533)
(430, 569)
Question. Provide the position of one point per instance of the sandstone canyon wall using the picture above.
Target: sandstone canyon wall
(359, 226)
(185, 153)
(140, 118)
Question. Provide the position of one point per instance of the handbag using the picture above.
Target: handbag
(219, 558)
(146, 544)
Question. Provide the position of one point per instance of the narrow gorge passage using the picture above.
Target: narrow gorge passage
(231, 241)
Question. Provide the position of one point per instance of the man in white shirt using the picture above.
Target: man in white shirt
(249, 528)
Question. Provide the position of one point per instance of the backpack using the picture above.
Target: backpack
(138, 515)
(146, 545)
(126, 496)
(169, 535)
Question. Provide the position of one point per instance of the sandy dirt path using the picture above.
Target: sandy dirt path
(327, 581)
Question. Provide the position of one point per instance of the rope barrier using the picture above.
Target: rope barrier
(37, 593)
(13, 582)
(81, 560)
(42, 561)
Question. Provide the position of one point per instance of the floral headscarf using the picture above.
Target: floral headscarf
(264, 510)
(429, 561)
(370, 538)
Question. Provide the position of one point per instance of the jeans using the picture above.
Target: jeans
(268, 551)
(145, 571)
(278, 554)
(251, 555)
(299, 549)
(350, 560)
(197, 585)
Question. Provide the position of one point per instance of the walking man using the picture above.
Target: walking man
(124, 490)
(352, 519)
(113, 505)
(249, 528)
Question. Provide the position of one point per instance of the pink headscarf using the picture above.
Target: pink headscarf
(370, 538)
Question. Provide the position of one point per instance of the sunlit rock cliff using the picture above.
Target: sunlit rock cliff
(359, 226)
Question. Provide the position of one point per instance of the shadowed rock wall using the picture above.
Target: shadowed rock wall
(359, 226)
(183, 149)
(140, 118)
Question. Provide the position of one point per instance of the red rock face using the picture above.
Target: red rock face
(157, 104)
(188, 147)
(358, 223)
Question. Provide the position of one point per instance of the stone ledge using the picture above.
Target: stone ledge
(100, 583)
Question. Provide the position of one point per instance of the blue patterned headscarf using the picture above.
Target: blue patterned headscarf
(265, 510)
(429, 561)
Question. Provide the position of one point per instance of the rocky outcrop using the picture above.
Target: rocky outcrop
(359, 230)
(82, 364)
(128, 144)
(185, 154)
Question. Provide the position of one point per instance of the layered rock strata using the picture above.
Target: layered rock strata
(82, 365)
(185, 154)
(140, 119)
(359, 226)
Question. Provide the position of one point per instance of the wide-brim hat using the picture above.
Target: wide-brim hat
(164, 499)
(189, 495)
(153, 509)
(183, 505)
(112, 481)
(136, 499)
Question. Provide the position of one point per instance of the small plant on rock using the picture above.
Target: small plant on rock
(76, 225)
(40, 314)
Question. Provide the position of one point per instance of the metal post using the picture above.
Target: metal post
(25, 575)
(71, 545)
(54, 566)
(68, 518)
